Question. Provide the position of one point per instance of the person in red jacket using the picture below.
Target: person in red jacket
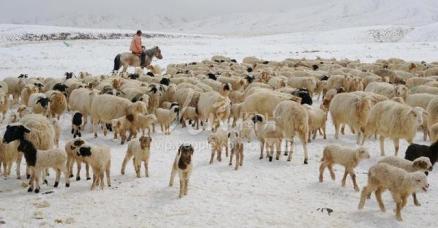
(136, 47)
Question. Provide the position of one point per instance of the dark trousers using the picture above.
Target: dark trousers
(142, 58)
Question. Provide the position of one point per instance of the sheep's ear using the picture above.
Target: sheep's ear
(26, 130)
(229, 134)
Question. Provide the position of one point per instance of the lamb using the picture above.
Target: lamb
(165, 117)
(394, 120)
(4, 104)
(345, 156)
(72, 156)
(236, 146)
(77, 124)
(39, 103)
(246, 130)
(269, 135)
(58, 104)
(293, 119)
(351, 109)
(105, 108)
(399, 182)
(183, 166)
(317, 121)
(123, 124)
(140, 150)
(99, 158)
(415, 151)
(218, 140)
(39, 160)
(145, 122)
(8, 155)
(419, 164)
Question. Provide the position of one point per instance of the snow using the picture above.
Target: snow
(260, 194)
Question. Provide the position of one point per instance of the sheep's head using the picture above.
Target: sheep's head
(165, 81)
(60, 87)
(152, 118)
(258, 118)
(76, 143)
(401, 91)
(185, 153)
(15, 132)
(69, 75)
(145, 142)
(362, 153)
(420, 181)
(43, 101)
(422, 164)
(212, 76)
(84, 151)
(417, 113)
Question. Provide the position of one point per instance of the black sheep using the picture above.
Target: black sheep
(68, 75)
(77, 124)
(304, 95)
(415, 151)
(212, 76)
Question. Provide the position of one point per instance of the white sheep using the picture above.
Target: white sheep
(394, 120)
(165, 117)
(317, 121)
(8, 155)
(105, 108)
(399, 182)
(140, 150)
(345, 156)
(420, 164)
(212, 104)
(218, 140)
(269, 135)
(308, 83)
(99, 158)
(350, 109)
(80, 100)
(145, 122)
(388, 90)
(72, 157)
(236, 146)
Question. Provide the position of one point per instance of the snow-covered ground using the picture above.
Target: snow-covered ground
(260, 194)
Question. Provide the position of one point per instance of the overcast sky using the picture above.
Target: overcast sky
(16, 10)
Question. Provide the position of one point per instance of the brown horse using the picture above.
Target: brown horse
(128, 59)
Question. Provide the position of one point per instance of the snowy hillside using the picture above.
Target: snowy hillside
(223, 17)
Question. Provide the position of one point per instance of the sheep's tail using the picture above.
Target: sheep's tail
(186, 103)
(117, 63)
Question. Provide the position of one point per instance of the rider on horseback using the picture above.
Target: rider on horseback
(137, 49)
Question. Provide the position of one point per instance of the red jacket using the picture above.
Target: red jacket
(136, 45)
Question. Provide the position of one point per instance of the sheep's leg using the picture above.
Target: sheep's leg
(363, 196)
(353, 178)
(237, 160)
(108, 175)
(186, 184)
(306, 154)
(359, 134)
(125, 161)
(241, 157)
(58, 176)
(219, 154)
(269, 151)
(101, 176)
(226, 151)
(69, 167)
(336, 129)
(181, 187)
(414, 196)
(262, 146)
(18, 165)
(323, 131)
(286, 147)
(78, 172)
(321, 171)
(332, 173)
(36, 181)
(87, 169)
(278, 149)
(314, 134)
(343, 129)
(231, 157)
(172, 175)
(344, 178)
(289, 158)
(95, 123)
(398, 210)
(378, 194)
(212, 156)
(66, 173)
(425, 133)
(382, 145)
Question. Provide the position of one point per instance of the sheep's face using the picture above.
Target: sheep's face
(421, 183)
(152, 118)
(84, 151)
(145, 142)
(362, 153)
(77, 143)
(401, 91)
(417, 113)
(14, 133)
(43, 101)
(212, 140)
(257, 118)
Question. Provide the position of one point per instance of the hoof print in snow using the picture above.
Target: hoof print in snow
(48, 192)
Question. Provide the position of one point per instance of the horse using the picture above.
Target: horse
(128, 59)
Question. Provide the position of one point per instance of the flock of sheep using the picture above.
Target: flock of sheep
(270, 101)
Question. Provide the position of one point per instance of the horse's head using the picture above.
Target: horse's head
(157, 53)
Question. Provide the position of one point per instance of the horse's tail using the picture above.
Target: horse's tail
(117, 62)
